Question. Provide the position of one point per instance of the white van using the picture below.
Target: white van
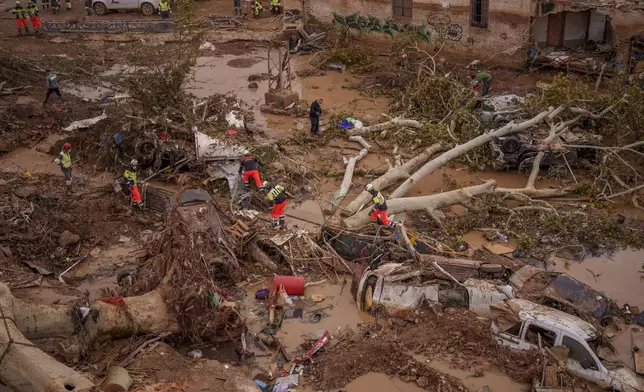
(523, 325)
(147, 7)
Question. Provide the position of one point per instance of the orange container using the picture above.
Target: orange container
(294, 285)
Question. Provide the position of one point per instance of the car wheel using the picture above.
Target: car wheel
(367, 296)
(510, 145)
(491, 268)
(100, 9)
(147, 9)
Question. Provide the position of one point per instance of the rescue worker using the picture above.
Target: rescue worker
(314, 116)
(55, 6)
(238, 9)
(257, 8)
(68, 5)
(250, 167)
(164, 9)
(64, 161)
(20, 13)
(52, 86)
(379, 211)
(129, 178)
(32, 10)
(484, 78)
(88, 7)
(277, 195)
(275, 7)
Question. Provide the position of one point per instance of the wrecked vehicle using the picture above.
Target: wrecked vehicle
(524, 325)
(397, 286)
(195, 206)
(518, 151)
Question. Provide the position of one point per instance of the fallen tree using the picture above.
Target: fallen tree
(340, 194)
(431, 202)
(390, 177)
(394, 122)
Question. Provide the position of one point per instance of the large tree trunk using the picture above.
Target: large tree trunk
(389, 178)
(422, 203)
(341, 193)
(144, 314)
(462, 149)
(394, 122)
(24, 367)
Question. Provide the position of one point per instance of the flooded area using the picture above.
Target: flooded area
(620, 276)
(375, 382)
(311, 214)
(494, 378)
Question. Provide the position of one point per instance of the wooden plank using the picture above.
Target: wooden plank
(556, 25)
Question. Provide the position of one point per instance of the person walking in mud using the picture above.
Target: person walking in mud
(314, 116)
(483, 79)
(238, 9)
(32, 10)
(164, 9)
(64, 161)
(52, 86)
(20, 13)
(277, 195)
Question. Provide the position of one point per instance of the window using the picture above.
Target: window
(402, 8)
(547, 337)
(514, 330)
(578, 352)
(478, 13)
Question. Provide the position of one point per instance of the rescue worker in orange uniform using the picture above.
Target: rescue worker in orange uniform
(32, 11)
(249, 166)
(64, 161)
(379, 211)
(20, 13)
(277, 194)
(129, 178)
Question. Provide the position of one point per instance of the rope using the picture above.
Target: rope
(11, 341)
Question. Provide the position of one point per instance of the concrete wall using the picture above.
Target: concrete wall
(540, 30)
(576, 29)
(508, 24)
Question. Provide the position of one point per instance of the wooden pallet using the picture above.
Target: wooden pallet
(239, 229)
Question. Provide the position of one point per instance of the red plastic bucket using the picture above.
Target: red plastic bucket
(294, 285)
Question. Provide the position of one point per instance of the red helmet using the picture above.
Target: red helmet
(67, 146)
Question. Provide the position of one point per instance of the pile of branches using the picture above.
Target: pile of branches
(193, 271)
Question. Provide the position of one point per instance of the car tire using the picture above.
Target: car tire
(510, 145)
(100, 9)
(147, 9)
(491, 268)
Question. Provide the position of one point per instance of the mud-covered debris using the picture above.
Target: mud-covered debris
(68, 238)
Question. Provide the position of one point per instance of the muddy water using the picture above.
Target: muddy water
(619, 276)
(375, 382)
(24, 159)
(494, 378)
(310, 211)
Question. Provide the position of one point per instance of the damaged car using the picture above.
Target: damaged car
(524, 325)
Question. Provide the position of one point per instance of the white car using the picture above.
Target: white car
(147, 7)
(524, 325)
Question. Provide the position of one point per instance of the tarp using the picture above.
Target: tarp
(210, 148)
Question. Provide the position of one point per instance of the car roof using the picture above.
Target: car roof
(528, 310)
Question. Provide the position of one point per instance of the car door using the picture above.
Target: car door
(580, 353)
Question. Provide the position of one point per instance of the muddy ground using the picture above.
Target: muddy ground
(46, 230)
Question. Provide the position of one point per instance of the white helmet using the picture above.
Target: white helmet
(246, 151)
(134, 163)
(368, 187)
(266, 184)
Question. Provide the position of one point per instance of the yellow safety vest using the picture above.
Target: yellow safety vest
(276, 191)
(378, 199)
(19, 12)
(33, 10)
(64, 159)
(130, 175)
(164, 6)
(275, 2)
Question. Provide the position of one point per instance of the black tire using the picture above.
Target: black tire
(147, 9)
(491, 268)
(510, 145)
(100, 9)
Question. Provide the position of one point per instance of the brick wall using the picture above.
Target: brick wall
(508, 26)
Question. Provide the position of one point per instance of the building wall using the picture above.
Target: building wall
(576, 29)
(508, 24)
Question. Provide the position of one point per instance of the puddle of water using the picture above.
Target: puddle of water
(45, 146)
(495, 379)
(107, 261)
(24, 159)
(309, 210)
(43, 295)
(618, 276)
(375, 382)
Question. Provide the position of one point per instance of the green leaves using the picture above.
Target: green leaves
(388, 27)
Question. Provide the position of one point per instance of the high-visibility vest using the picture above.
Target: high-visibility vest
(277, 194)
(33, 10)
(379, 201)
(64, 159)
(19, 12)
(164, 6)
(130, 177)
(275, 2)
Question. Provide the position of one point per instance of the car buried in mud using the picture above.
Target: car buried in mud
(517, 151)
(524, 325)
